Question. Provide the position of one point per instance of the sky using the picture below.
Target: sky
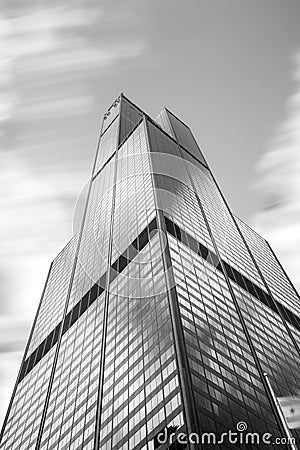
(229, 68)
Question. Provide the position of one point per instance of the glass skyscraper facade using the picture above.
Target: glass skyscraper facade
(162, 312)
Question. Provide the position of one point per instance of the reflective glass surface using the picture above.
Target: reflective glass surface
(167, 316)
(130, 117)
(54, 298)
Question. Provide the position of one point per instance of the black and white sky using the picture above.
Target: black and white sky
(229, 68)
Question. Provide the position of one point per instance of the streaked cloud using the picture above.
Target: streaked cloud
(53, 108)
(85, 58)
(52, 60)
(58, 44)
(32, 210)
(278, 184)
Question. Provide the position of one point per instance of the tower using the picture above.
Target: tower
(161, 314)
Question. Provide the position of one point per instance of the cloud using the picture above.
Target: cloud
(53, 58)
(53, 108)
(67, 58)
(33, 213)
(9, 365)
(32, 226)
(45, 47)
(278, 182)
(13, 334)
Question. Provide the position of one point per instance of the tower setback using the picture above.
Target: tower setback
(160, 316)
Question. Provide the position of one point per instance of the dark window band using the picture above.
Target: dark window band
(89, 298)
(232, 273)
(122, 262)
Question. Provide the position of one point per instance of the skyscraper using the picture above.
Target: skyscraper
(161, 314)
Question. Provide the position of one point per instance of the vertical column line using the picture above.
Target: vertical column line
(25, 354)
(289, 332)
(277, 406)
(240, 315)
(283, 270)
(189, 409)
(237, 307)
(106, 298)
(53, 370)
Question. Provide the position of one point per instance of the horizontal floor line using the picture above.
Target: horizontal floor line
(89, 298)
(238, 278)
(122, 262)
